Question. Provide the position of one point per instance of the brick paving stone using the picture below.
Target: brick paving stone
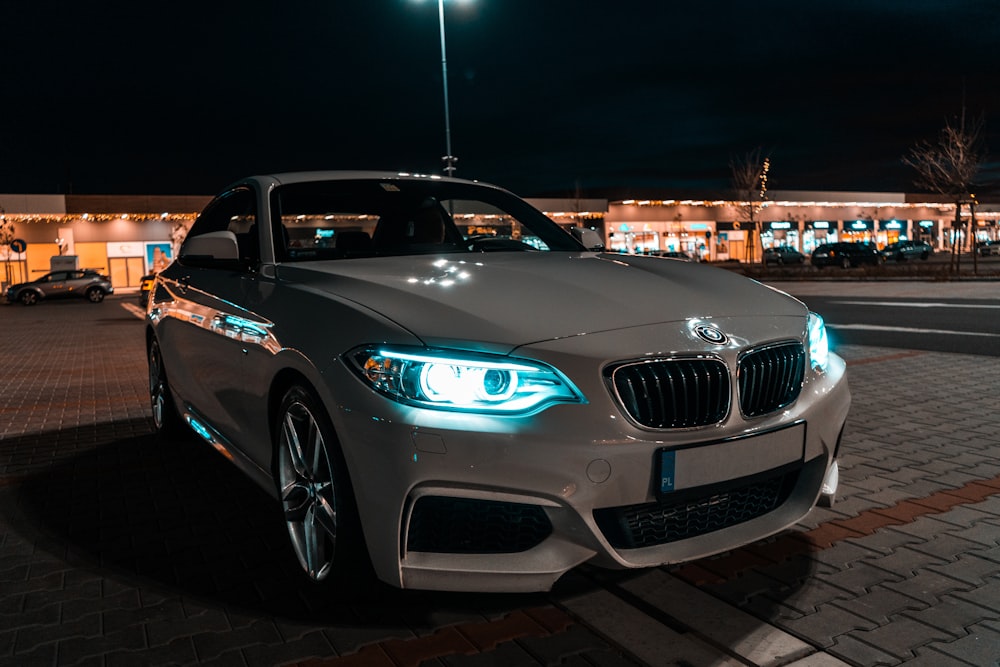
(981, 647)
(73, 650)
(901, 636)
(928, 586)
(810, 596)
(880, 604)
(178, 652)
(213, 644)
(987, 595)
(954, 615)
(884, 541)
(509, 654)
(575, 640)
(931, 657)
(906, 561)
(947, 546)
(860, 653)
(828, 623)
(40, 655)
(859, 578)
(311, 645)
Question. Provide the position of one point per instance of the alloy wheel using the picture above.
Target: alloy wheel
(157, 386)
(307, 489)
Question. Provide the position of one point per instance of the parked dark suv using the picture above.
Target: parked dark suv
(846, 255)
(903, 250)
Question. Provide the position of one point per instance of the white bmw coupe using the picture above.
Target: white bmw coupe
(434, 378)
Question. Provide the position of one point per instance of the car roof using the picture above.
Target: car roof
(285, 178)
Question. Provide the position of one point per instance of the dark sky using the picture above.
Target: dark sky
(546, 96)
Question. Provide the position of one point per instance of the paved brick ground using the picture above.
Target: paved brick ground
(118, 550)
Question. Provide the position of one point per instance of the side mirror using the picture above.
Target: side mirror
(590, 239)
(212, 249)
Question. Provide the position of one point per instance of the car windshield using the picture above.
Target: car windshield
(344, 219)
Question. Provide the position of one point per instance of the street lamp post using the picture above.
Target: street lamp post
(449, 159)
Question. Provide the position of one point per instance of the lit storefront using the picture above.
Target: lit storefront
(779, 234)
(816, 233)
(128, 236)
(858, 231)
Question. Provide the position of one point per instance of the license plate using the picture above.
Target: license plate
(712, 462)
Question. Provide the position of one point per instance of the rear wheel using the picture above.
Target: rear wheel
(845, 262)
(315, 492)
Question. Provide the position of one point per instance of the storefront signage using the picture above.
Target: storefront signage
(860, 224)
(893, 224)
(125, 249)
(781, 225)
(926, 224)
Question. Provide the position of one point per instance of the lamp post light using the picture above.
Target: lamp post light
(449, 159)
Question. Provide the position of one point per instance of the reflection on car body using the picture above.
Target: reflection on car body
(432, 377)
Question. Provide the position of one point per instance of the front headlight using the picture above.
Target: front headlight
(463, 381)
(819, 344)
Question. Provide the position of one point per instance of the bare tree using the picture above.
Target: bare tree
(6, 238)
(749, 182)
(949, 167)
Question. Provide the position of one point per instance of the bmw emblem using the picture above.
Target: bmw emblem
(711, 335)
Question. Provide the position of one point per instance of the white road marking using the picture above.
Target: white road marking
(876, 327)
(918, 304)
(134, 309)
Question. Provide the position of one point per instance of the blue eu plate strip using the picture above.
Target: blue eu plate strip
(667, 460)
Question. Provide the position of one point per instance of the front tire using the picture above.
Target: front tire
(166, 420)
(28, 297)
(315, 491)
(845, 262)
(95, 295)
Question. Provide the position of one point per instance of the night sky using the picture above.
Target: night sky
(547, 97)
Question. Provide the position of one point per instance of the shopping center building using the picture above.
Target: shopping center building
(126, 237)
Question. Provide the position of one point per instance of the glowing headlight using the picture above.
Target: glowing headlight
(449, 380)
(819, 345)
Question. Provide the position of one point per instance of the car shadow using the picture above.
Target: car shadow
(177, 516)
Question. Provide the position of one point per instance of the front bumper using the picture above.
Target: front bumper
(436, 489)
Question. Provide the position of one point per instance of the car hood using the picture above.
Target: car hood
(504, 300)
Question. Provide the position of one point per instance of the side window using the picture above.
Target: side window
(234, 211)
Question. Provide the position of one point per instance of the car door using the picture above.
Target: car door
(53, 285)
(202, 323)
(76, 282)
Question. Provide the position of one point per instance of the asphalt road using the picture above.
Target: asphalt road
(938, 317)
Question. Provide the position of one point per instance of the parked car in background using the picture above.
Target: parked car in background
(783, 255)
(82, 283)
(145, 287)
(675, 254)
(484, 410)
(846, 255)
(987, 248)
(907, 249)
